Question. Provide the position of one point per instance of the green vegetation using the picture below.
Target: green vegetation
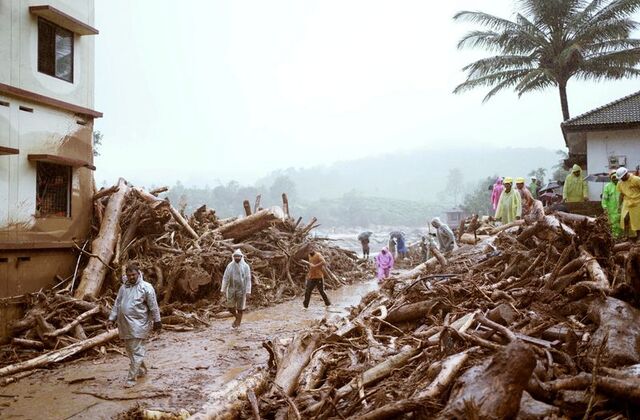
(550, 42)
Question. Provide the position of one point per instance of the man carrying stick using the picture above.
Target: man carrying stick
(136, 312)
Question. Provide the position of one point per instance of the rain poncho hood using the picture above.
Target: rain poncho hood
(575, 188)
(237, 277)
(509, 206)
(498, 187)
(135, 309)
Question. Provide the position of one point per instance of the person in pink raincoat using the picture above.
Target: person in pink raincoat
(497, 190)
(384, 261)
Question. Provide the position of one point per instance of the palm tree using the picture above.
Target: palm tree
(551, 41)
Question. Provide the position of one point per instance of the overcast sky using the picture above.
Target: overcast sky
(207, 91)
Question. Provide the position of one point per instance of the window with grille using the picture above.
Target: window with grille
(55, 50)
(53, 192)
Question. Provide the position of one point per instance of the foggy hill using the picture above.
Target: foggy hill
(417, 175)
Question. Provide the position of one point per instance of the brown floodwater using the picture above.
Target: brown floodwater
(184, 367)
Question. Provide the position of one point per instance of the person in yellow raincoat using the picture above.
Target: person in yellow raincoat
(611, 204)
(509, 205)
(575, 188)
(629, 188)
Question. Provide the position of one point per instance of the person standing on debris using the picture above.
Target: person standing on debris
(525, 196)
(575, 188)
(384, 262)
(510, 205)
(629, 188)
(498, 187)
(136, 312)
(444, 234)
(392, 246)
(236, 285)
(533, 187)
(611, 203)
(315, 277)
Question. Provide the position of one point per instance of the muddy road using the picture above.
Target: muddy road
(184, 366)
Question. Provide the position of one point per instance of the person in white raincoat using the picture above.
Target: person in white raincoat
(444, 234)
(136, 312)
(236, 285)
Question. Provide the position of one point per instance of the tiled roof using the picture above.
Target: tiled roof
(623, 111)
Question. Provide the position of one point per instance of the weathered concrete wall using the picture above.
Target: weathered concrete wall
(602, 144)
(19, 48)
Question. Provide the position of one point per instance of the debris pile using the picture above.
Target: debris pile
(535, 320)
(183, 258)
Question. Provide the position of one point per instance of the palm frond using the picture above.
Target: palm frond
(485, 19)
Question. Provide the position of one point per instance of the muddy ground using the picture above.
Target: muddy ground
(184, 366)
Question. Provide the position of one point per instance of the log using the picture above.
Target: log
(450, 367)
(157, 202)
(59, 355)
(506, 375)
(105, 192)
(471, 239)
(243, 228)
(256, 205)
(573, 218)
(531, 409)
(441, 259)
(411, 311)
(227, 402)
(620, 322)
(294, 360)
(632, 271)
(504, 227)
(158, 191)
(103, 247)
(625, 390)
(313, 374)
(247, 207)
(28, 344)
(394, 410)
(72, 324)
(285, 205)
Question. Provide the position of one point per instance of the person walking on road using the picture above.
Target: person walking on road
(575, 188)
(315, 277)
(510, 205)
(384, 262)
(611, 204)
(136, 313)
(629, 188)
(364, 238)
(236, 285)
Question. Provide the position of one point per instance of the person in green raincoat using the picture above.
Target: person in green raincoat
(611, 204)
(575, 187)
(509, 206)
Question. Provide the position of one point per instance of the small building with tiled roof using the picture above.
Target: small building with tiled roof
(605, 138)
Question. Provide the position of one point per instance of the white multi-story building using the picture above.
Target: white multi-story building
(46, 150)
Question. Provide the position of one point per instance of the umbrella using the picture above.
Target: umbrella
(601, 177)
(396, 234)
(550, 187)
(364, 235)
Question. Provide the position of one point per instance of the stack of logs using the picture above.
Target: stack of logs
(184, 258)
(535, 321)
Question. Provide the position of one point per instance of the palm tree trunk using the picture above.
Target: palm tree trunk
(563, 101)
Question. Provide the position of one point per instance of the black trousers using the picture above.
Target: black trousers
(312, 284)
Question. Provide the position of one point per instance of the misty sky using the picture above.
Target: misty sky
(207, 91)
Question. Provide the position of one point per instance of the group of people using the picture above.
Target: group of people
(385, 260)
(136, 312)
(621, 202)
(512, 204)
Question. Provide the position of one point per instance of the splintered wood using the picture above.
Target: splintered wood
(532, 321)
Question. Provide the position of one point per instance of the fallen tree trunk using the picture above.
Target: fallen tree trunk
(626, 390)
(75, 322)
(294, 360)
(243, 228)
(411, 311)
(448, 372)
(573, 218)
(619, 323)
(103, 247)
(506, 375)
(59, 355)
(227, 402)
